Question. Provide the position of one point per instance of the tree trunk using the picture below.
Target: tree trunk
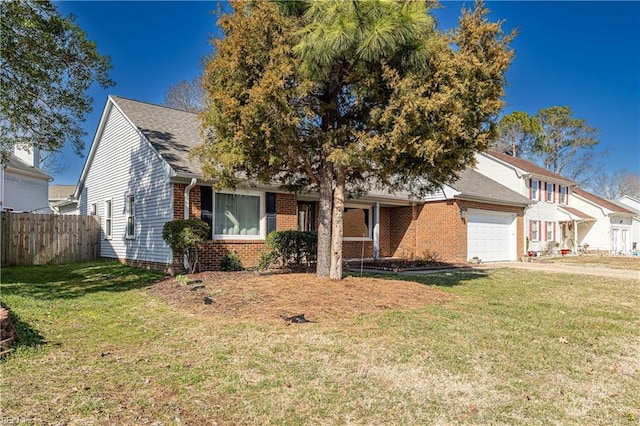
(324, 221)
(337, 229)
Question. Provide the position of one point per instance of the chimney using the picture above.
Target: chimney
(31, 156)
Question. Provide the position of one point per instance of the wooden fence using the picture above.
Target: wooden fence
(38, 239)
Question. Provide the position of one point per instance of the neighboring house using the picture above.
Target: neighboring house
(138, 176)
(633, 204)
(475, 217)
(23, 186)
(553, 218)
(61, 199)
(610, 231)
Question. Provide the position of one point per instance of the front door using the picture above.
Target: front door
(615, 238)
(623, 241)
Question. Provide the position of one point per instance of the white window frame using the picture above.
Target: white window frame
(108, 219)
(534, 230)
(550, 227)
(549, 192)
(564, 192)
(534, 189)
(130, 214)
(368, 208)
(262, 220)
(94, 209)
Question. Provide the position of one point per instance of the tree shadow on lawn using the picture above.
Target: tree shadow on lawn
(68, 281)
(27, 335)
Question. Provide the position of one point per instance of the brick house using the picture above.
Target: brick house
(138, 176)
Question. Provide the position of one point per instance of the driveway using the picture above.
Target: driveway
(598, 271)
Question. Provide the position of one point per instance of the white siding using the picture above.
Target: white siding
(25, 193)
(125, 164)
(501, 173)
(598, 234)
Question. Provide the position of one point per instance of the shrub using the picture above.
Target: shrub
(231, 262)
(183, 235)
(290, 248)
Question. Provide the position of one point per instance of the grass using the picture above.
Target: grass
(616, 262)
(511, 348)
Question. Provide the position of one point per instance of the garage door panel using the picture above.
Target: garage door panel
(491, 236)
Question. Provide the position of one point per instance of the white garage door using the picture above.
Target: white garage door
(491, 236)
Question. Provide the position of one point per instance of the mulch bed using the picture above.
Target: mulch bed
(260, 297)
(400, 265)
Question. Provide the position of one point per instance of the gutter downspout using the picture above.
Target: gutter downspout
(185, 260)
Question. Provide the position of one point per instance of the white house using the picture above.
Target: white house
(61, 199)
(633, 204)
(23, 186)
(611, 229)
(551, 218)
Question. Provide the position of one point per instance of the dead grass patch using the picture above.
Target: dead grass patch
(255, 297)
(616, 262)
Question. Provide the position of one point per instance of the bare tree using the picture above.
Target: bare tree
(615, 185)
(185, 96)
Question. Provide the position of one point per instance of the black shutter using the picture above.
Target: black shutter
(206, 204)
(271, 212)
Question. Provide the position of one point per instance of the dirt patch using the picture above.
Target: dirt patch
(251, 296)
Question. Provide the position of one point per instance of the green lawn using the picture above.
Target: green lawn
(511, 348)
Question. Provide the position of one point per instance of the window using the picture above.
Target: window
(94, 209)
(108, 219)
(533, 193)
(271, 212)
(533, 230)
(357, 223)
(563, 194)
(549, 191)
(237, 215)
(550, 230)
(130, 210)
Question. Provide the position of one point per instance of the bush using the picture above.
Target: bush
(183, 235)
(289, 248)
(231, 262)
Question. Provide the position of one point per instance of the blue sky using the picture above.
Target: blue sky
(582, 54)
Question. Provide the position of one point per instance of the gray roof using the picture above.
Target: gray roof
(474, 185)
(172, 132)
(61, 192)
(20, 166)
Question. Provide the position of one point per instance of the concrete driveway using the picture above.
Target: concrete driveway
(598, 271)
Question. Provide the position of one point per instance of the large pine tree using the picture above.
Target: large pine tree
(337, 95)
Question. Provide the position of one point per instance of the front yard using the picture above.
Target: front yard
(617, 262)
(488, 347)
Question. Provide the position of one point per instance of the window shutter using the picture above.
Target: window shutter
(539, 190)
(554, 231)
(554, 192)
(530, 187)
(546, 229)
(206, 207)
(271, 212)
(567, 199)
(530, 231)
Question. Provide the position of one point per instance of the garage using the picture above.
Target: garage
(491, 236)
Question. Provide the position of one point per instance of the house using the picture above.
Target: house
(553, 219)
(474, 217)
(23, 186)
(61, 199)
(611, 229)
(633, 204)
(138, 176)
